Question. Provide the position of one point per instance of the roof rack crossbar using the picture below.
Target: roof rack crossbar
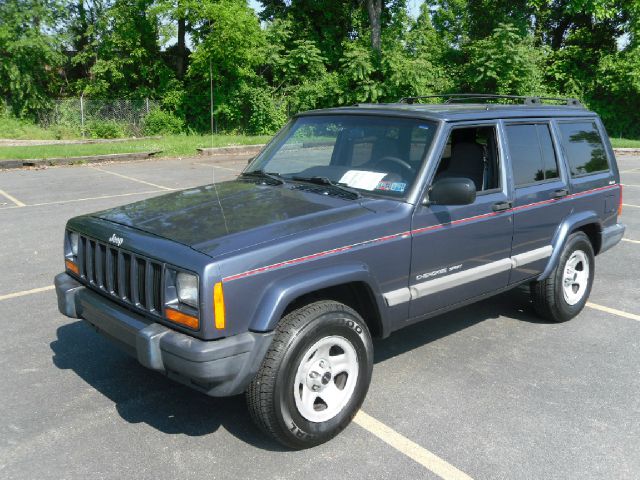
(525, 100)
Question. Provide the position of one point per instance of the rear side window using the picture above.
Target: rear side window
(584, 148)
(533, 157)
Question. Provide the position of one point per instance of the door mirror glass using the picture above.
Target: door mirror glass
(452, 191)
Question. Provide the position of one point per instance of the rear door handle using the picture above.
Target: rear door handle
(563, 192)
(501, 206)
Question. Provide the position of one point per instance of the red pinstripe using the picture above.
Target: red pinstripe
(405, 234)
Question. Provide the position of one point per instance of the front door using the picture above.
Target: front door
(462, 252)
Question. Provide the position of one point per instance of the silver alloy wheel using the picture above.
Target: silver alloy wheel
(326, 378)
(575, 278)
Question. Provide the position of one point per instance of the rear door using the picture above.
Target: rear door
(540, 188)
(461, 252)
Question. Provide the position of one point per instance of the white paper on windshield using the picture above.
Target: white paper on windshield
(362, 179)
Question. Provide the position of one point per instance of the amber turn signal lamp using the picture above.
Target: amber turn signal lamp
(620, 204)
(72, 267)
(181, 318)
(218, 306)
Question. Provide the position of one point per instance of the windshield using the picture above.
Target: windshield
(381, 155)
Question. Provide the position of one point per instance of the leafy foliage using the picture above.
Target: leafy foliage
(159, 122)
(298, 55)
(106, 129)
(505, 63)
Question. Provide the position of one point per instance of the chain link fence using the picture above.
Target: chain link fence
(103, 118)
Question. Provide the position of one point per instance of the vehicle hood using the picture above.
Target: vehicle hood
(229, 216)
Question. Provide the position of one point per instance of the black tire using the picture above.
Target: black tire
(547, 295)
(270, 396)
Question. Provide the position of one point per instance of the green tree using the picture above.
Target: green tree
(31, 72)
(505, 63)
(127, 61)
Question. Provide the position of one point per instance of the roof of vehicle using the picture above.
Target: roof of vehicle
(459, 111)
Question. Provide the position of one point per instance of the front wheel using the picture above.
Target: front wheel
(564, 293)
(315, 375)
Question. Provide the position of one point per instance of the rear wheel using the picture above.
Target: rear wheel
(564, 293)
(315, 375)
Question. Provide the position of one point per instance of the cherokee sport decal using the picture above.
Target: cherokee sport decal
(435, 273)
(406, 234)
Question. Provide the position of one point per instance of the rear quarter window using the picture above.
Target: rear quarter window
(583, 147)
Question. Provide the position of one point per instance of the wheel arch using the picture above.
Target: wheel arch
(350, 284)
(587, 222)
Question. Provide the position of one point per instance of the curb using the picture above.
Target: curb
(232, 150)
(111, 157)
(91, 141)
(626, 151)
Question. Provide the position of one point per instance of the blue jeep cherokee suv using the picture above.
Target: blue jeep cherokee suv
(351, 223)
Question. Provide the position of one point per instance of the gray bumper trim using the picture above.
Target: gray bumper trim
(217, 367)
(611, 236)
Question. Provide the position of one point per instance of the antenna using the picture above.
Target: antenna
(215, 189)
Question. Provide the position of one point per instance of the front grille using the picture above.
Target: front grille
(133, 279)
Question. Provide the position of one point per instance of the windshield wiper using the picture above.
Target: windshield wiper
(262, 174)
(326, 181)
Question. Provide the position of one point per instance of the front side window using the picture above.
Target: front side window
(583, 147)
(381, 155)
(533, 157)
(472, 153)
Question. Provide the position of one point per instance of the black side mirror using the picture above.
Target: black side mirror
(452, 191)
(250, 160)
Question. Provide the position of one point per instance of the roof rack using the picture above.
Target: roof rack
(517, 99)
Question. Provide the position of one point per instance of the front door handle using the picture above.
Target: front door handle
(501, 206)
(563, 192)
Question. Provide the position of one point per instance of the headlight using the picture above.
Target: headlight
(187, 286)
(73, 242)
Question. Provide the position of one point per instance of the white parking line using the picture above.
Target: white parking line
(630, 205)
(629, 185)
(411, 449)
(12, 198)
(614, 311)
(134, 179)
(26, 292)
(630, 170)
(630, 241)
(217, 166)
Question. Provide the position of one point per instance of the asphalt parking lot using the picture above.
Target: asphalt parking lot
(488, 391)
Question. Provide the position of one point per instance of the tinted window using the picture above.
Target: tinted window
(532, 154)
(583, 146)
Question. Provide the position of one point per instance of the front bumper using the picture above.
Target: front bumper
(216, 367)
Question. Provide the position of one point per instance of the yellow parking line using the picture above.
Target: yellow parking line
(12, 198)
(421, 455)
(134, 179)
(26, 292)
(630, 241)
(614, 311)
(87, 199)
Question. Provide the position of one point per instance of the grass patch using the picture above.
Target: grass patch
(22, 130)
(171, 146)
(625, 143)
